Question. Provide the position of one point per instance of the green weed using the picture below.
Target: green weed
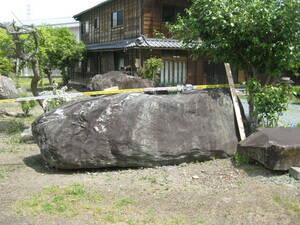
(14, 126)
(287, 204)
(67, 201)
(239, 159)
(124, 202)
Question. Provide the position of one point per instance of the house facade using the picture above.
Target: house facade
(123, 34)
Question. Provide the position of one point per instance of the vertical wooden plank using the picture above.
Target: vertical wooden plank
(236, 106)
(167, 73)
(184, 75)
(176, 72)
(171, 72)
(180, 72)
(162, 74)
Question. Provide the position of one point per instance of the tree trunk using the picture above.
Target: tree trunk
(49, 76)
(35, 80)
(36, 77)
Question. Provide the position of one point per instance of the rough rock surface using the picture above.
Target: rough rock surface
(116, 78)
(27, 137)
(7, 88)
(138, 130)
(275, 148)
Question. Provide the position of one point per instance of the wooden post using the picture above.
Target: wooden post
(236, 106)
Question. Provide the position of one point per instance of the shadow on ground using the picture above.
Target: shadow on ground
(254, 169)
(37, 163)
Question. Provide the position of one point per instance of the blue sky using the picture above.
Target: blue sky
(41, 9)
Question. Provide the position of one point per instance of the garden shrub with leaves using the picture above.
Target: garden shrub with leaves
(296, 92)
(269, 102)
(151, 68)
(28, 105)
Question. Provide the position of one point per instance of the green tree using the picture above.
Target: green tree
(260, 36)
(6, 63)
(59, 49)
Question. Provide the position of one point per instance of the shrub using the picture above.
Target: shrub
(151, 68)
(14, 126)
(269, 102)
(27, 106)
(296, 92)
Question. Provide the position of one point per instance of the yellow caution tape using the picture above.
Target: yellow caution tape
(113, 92)
(8, 100)
(178, 88)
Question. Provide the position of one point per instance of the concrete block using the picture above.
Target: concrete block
(295, 172)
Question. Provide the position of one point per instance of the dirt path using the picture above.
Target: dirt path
(214, 192)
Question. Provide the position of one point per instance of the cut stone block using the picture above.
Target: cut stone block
(275, 148)
(295, 172)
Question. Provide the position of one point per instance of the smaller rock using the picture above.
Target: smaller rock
(7, 88)
(195, 177)
(295, 172)
(276, 148)
(117, 79)
(226, 199)
(27, 137)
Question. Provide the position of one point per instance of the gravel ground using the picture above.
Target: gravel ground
(214, 192)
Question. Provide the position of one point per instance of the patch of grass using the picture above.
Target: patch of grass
(25, 82)
(250, 169)
(240, 160)
(76, 189)
(286, 203)
(65, 201)
(4, 171)
(14, 126)
(124, 202)
(112, 219)
(152, 180)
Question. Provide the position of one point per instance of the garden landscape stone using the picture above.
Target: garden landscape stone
(138, 130)
(276, 148)
(118, 79)
(295, 172)
(8, 88)
(27, 137)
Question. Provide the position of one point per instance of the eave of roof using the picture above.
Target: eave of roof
(83, 12)
(152, 43)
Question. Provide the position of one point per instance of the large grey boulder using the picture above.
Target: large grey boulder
(119, 79)
(275, 148)
(138, 130)
(8, 88)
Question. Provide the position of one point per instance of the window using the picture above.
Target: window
(85, 27)
(117, 18)
(96, 23)
(170, 13)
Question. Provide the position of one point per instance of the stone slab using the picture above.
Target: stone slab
(295, 172)
(275, 148)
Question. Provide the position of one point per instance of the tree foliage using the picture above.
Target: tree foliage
(269, 102)
(262, 36)
(6, 63)
(59, 49)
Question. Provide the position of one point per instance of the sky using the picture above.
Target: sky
(43, 9)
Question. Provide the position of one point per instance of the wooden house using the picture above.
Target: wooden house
(122, 34)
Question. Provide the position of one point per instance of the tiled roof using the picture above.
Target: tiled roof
(140, 42)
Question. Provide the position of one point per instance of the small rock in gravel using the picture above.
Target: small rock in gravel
(226, 199)
(195, 177)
